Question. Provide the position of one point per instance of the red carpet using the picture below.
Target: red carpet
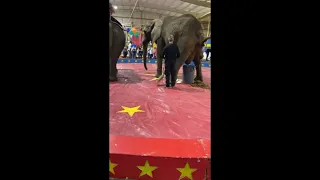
(183, 112)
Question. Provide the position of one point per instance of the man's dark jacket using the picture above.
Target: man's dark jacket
(170, 53)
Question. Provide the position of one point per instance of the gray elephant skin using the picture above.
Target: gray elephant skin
(188, 35)
(117, 42)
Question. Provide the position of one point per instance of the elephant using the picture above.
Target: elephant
(117, 40)
(188, 35)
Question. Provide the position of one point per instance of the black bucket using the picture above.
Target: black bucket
(188, 73)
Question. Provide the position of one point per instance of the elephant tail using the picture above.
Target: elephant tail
(145, 64)
(145, 49)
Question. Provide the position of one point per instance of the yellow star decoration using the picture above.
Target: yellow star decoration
(111, 166)
(186, 171)
(146, 169)
(130, 111)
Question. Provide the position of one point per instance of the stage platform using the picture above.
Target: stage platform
(158, 133)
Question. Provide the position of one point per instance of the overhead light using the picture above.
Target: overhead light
(115, 7)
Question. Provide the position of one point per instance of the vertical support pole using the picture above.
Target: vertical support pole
(133, 10)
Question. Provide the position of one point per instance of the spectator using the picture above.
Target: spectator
(140, 52)
(130, 45)
(125, 52)
(150, 53)
(204, 49)
(129, 52)
(208, 50)
(155, 52)
(134, 53)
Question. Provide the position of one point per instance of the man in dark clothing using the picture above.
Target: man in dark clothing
(170, 54)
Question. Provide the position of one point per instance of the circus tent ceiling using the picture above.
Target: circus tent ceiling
(138, 12)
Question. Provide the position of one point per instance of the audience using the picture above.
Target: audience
(134, 52)
(125, 52)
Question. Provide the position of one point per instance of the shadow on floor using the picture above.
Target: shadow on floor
(127, 76)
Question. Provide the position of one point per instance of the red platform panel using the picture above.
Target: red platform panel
(146, 158)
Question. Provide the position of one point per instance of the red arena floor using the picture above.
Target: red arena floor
(150, 126)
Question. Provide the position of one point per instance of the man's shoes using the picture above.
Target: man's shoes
(166, 86)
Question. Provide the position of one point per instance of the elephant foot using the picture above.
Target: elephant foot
(113, 78)
(198, 78)
(158, 75)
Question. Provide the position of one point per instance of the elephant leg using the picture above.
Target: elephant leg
(160, 46)
(110, 35)
(180, 61)
(113, 68)
(113, 71)
(198, 70)
(185, 52)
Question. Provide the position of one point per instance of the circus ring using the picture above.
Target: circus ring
(158, 133)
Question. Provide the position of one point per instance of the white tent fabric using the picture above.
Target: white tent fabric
(138, 12)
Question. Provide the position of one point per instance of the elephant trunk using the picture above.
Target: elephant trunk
(145, 48)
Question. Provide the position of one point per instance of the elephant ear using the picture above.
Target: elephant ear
(156, 30)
